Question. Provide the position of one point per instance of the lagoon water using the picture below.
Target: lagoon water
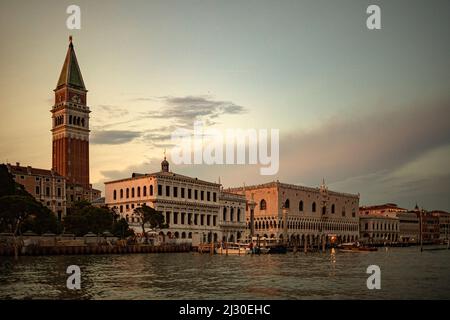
(406, 273)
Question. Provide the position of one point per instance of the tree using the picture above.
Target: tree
(19, 210)
(85, 218)
(150, 216)
(10, 187)
(14, 210)
(121, 229)
(42, 221)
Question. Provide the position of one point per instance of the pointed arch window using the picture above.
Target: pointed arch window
(262, 205)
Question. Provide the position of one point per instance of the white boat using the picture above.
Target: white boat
(233, 248)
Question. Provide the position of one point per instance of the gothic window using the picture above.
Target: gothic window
(332, 208)
(115, 194)
(263, 205)
(144, 191)
(151, 190)
(132, 192)
(82, 122)
(287, 204)
(313, 207)
(128, 193)
(121, 193)
(300, 205)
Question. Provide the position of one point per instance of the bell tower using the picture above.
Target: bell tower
(70, 123)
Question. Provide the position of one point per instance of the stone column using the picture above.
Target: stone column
(285, 212)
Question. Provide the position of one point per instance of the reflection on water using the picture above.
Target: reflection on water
(405, 274)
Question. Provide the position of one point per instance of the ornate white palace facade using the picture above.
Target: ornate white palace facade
(196, 210)
(313, 215)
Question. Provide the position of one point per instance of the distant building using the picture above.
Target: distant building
(379, 229)
(409, 227)
(313, 215)
(444, 223)
(232, 220)
(46, 186)
(99, 202)
(387, 210)
(430, 226)
(196, 210)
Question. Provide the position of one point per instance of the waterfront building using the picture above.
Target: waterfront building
(409, 227)
(388, 209)
(232, 220)
(379, 229)
(444, 223)
(46, 186)
(196, 210)
(311, 215)
(430, 226)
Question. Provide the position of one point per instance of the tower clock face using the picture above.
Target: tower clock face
(76, 98)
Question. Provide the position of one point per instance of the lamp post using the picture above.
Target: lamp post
(252, 204)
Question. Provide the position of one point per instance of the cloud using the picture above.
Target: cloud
(185, 110)
(112, 111)
(113, 136)
(149, 166)
(343, 148)
(182, 112)
(380, 155)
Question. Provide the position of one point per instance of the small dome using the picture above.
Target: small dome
(165, 165)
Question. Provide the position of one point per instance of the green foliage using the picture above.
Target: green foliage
(121, 229)
(8, 186)
(85, 218)
(42, 221)
(19, 211)
(150, 216)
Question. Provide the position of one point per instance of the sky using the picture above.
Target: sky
(368, 110)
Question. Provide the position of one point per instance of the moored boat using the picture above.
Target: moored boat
(233, 248)
(354, 247)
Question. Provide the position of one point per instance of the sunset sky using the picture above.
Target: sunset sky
(366, 110)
